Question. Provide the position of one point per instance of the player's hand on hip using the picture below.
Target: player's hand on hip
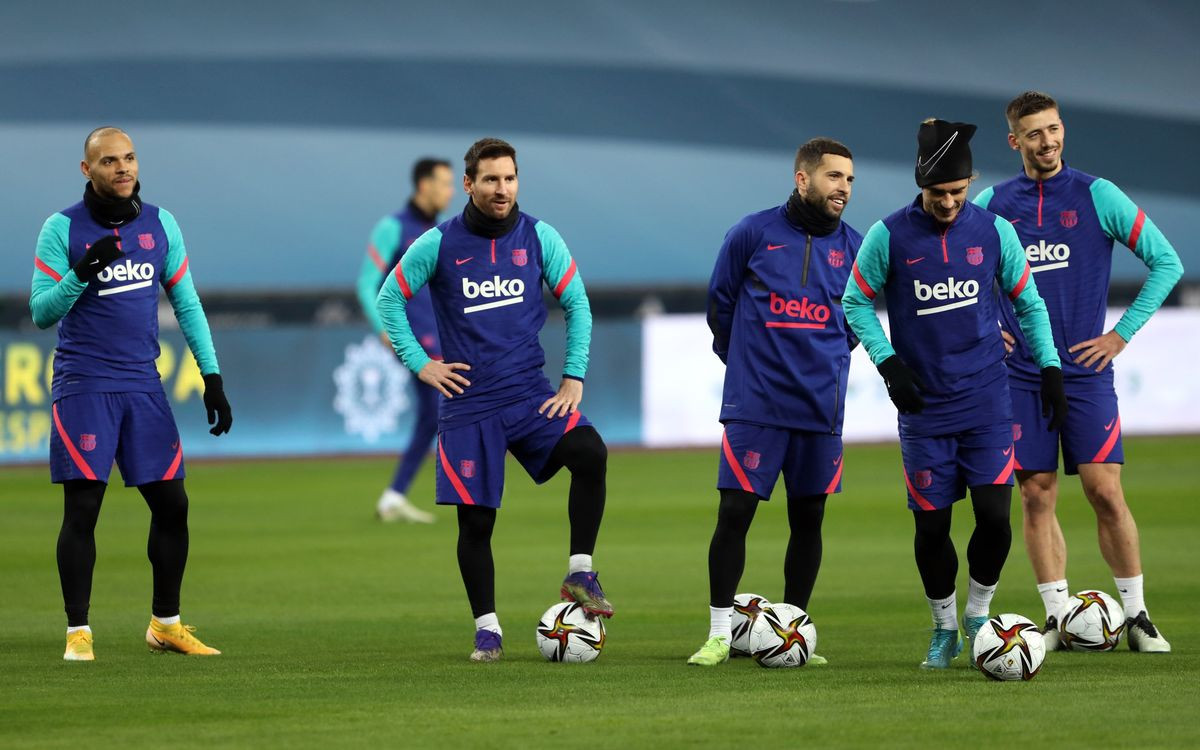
(1100, 350)
(1054, 398)
(219, 413)
(98, 257)
(903, 385)
(565, 402)
(444, 376)
(1010, 341)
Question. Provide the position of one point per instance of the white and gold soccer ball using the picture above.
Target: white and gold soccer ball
(746, 608)
(1091, 621)
(566, 633)
(782, 635)
(1009, 647)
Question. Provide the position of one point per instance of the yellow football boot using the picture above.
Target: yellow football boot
(176, 638)
(79, 646)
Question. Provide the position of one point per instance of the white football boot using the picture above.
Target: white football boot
(1144, 637)
(393, 506)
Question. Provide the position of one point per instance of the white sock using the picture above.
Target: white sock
(167, 620)
(720, 619)
(1130, 590)
(1054, 595)
(979, 598)
(80, 627)
(945, 612)
(579, 564)
(489, 622)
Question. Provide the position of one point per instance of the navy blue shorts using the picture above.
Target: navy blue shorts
(1091, 434)
(752, 456)
(938, 470)
(137, 430)
(470, 465)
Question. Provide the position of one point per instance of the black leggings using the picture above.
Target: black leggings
(937, 560)
(584, 454)
(167, 545)
(727, 551)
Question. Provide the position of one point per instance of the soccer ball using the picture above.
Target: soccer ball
(566, 633)
(745, 611)
(782, 635)
(1009, 647)
(1091, 621)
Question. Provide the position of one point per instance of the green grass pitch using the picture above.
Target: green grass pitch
(340, 631)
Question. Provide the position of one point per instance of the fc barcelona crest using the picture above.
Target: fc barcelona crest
(1016, 432)
(87, 442)
(837, 258)
(751, 459)
(146, 241)
(520, 257)
(974, 255)
(1068, 219)
(923, 478)
(466, 468)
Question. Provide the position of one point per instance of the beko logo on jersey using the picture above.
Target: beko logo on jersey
(962, 292)
(509, 291)
(1047, 256)
(814, 315)
(141, 274)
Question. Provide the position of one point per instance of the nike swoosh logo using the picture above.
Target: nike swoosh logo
(775, 247)
(156, 640)
(1013, 221)
(1123, 591)
(934, 158)
(1064, 588)
(945, 606)
(913, 261)
(1008, 450)
(460, 261)
(1110, 424)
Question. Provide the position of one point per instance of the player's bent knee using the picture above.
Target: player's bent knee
(1107, 499)
(584, 451)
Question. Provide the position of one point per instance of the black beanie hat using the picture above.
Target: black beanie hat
(943, 152)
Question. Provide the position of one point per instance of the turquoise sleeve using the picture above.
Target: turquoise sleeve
(984, 198)
(181, 291)
(55, 286)
(413, 271)
(867, 277)
(1016, 279)
(381, 248)
(1126, 223)
(563, 279)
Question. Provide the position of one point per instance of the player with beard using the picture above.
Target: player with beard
(774, 307)
(1067, 222)
(937, 260)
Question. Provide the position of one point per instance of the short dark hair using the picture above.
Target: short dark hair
(810, 154)
(1027, 103)
(425, 167)
(102, 130)
(487, 148)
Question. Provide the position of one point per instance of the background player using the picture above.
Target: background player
(433, 188)
(96, 273)
(775, 313)
(1067, 222)
(937, 260)
(485, 269)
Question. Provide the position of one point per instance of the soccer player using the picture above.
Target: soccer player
(1067, 222)
(936, 260)
(433, 188)
(96, 273)
(485, 269)
(774, 307)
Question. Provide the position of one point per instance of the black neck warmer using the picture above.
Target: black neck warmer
(112, 212)
(480, 223)
(431, 218)
(810, 218)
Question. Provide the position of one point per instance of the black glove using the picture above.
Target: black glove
(903, 385)
(216, 404)
(102, 252)
(1054, 399)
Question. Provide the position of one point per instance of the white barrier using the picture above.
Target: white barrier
(682, 381)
